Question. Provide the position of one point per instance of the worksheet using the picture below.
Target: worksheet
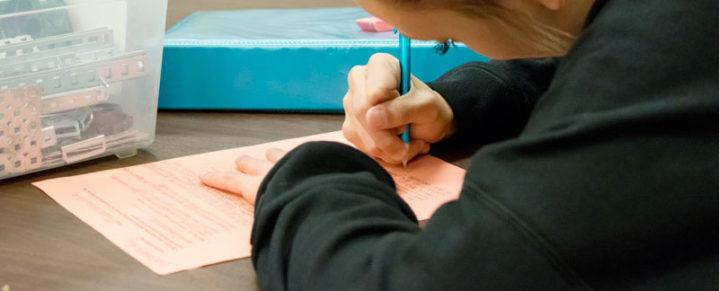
(163, 216)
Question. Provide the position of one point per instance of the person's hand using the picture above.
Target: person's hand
(248, 176)
(376, 113)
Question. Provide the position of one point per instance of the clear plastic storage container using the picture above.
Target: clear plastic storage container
(79, 79)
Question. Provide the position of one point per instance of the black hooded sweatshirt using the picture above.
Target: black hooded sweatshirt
(599, 170)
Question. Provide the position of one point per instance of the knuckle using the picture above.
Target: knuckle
(426, 98)
(377, 94)
(356, 71)
(430, 111)
(346, 101)
(428, 106)
(381, 58)
(376, 58)
(359, 107)
(352, 75)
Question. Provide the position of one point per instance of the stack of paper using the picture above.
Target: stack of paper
(162, 215)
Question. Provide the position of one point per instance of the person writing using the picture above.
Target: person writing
(596, 130)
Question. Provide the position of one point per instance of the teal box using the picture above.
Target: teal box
(279, 60)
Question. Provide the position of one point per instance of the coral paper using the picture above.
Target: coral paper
(162, 215)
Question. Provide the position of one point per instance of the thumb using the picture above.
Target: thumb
(401, 111)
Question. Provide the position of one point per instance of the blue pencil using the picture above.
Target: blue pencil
(405, 57)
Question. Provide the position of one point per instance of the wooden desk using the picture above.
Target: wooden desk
(45, 247)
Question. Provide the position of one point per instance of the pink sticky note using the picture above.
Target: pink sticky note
(373, 24)
(163, 216)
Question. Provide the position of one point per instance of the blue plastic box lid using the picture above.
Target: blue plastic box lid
(279, 60)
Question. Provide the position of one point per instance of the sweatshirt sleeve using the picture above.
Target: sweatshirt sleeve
(329, 218)
(492, 101)
(612, 183)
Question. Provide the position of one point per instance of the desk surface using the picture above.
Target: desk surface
(45, 247)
